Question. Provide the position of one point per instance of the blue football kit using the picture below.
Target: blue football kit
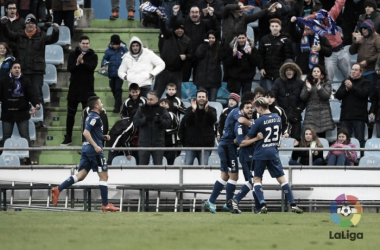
(245, 153)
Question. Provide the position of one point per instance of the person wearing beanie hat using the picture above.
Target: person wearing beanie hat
(370, 7)
(175, 50)
(30, 19)
(113, 57)
(287, 89)
(235, 97)
(367, 45)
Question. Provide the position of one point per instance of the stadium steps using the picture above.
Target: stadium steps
(56, 111)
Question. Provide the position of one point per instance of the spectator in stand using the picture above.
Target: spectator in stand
(209, 73)
(367, 45)
(342, 158)
(274, 49)
(195, 28)
(258, 92)
(175, 103)
(274, 108)
(130, 106)
(199, 122)
(218, 7)
(309, 140)
(152, 121)
(307, 8)
(64, 11)
(31, 50)
(115, 4)
(140, 65)
(233, 102)
(354, 92)
(15, 23)
(113, 57)
(81, 64)
(175, 49)
(241, 59)
(370, 14)
(287, 89)
(171, 133)
(339, 60)
(16, 92)
(348, 19)
(316, 94)
(6, 60)
(312, 48)
(374, 111)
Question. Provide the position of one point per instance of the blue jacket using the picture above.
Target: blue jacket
(6, 66)
(114, 58)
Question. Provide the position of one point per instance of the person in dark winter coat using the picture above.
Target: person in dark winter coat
(287, 89)
(195, 28)
(16, 92)
(113, 57)
(152, 121)
(6, 60)
(217, 6)
(31, 49)
(133, 102)
(199, 128)
(354, 92)
(370, 13)
(308, 43)
(81, 64)
(274, 108)
(241, 60)
(15, 23)
(316, 94)
(374, 111)
(176, 104)
(274, 49)
(209, 73)
(175, 49)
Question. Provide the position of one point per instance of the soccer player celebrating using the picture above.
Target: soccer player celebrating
(92, 156)
(227, 151)
(245, 157)
(266, 153)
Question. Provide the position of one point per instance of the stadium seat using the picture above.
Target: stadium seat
(39, 116)
(370, 161)
(180, 160)
(9, 160)
(338, 77)
(284, 160)
(50, 76)
(374, 133)
(121, 160)
(255, 24)
(80, 2)
(325, 144)
(1, 130)
(164, 161)
(186, 104)
(372, 143)
(357, 145)
(222, 95)
(214, 161)
(16, 143)
(286, 143)
(335, 111)
(332, 135)
(46, 92)
(189, 91)
(64, 36)
(54, 54)
(32, 131)
(250, 33)
(219, 109)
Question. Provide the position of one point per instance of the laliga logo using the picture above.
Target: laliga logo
(345, 206)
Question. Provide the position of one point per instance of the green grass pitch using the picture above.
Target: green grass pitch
(65, 230)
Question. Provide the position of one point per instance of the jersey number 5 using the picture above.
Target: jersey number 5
(272, 136)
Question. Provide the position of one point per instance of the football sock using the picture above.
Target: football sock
(243, 192)
(67, 183)
(257, 202)
(218, 187)
(230, 189)
(103, 186)
(288, 192)
(259, 192)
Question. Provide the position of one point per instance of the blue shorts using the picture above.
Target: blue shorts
(97, 163)
(228, 157)
(274, 168)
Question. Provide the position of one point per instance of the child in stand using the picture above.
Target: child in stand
(175, 103)
(342, 158)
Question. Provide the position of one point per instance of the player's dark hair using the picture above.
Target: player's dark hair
(134, 86)
(91, 102)
(243, 104)
(83, 38)
(248, 97)
(262, 102)
(345, 132)
(171, 85)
